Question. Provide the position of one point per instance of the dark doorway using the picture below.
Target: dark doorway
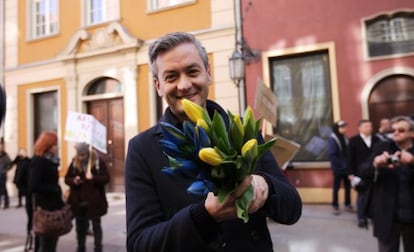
(391, 96)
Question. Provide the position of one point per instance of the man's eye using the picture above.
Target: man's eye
(193, 72)
(169, 78)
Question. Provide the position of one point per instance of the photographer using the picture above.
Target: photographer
(392, 204)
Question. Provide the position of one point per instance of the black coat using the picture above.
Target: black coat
(162, 216)
(358, 154)
(89, 192)
(44, 183)
(386, 191)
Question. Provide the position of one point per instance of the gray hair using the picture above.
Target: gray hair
(404, 119)
(170, 41)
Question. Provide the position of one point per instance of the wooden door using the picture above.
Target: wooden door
(110, 113)
(392, 96)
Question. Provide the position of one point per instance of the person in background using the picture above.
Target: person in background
(160, 215)
(360, 149)
(21, 176)
(44, 183)
(384, 131)
(392, 167)
(337, 155)
(5, 166)
(87, 176)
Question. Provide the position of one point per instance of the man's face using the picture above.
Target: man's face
(182, 74)
(401, 132)
(385, 125)
(366, 128)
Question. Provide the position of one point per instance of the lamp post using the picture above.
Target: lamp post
(236, 64)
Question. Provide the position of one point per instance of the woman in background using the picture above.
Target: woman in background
(87, 176)
(43, 183)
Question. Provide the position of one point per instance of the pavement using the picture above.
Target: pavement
(318, 230)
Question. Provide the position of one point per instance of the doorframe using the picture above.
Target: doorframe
(375, 79)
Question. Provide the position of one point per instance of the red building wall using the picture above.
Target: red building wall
(278, 24)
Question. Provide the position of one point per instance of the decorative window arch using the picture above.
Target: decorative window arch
(103, 85)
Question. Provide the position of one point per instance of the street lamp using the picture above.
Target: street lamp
(236, 66)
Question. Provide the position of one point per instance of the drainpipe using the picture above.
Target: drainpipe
(239, 43)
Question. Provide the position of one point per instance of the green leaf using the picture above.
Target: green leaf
(262, 148)
(220, 128)
(243, 204)
(222, 194)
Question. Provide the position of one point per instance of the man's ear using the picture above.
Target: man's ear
(210, 79)
(157, 86)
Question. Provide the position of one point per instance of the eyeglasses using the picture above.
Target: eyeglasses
(400, 130)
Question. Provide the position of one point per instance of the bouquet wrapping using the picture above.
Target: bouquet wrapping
(214, 156)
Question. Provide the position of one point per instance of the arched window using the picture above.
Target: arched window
(104, 86)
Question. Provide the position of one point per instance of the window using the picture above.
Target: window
(159, 4)
(390, 34)
(303, 90)
(45, 112)
(100, 11)
(44, 18)
(104, 86)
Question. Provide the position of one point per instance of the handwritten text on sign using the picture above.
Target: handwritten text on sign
(85, 128)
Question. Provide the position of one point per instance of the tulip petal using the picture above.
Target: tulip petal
(198, 188)
(171, 133)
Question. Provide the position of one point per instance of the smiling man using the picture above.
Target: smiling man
(161, 215)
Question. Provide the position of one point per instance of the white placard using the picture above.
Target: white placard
(85, 128)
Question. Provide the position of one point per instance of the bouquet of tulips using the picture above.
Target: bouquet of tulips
(217, 158)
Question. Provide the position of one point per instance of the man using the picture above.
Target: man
(161, 215)
(384, 131)
(360, 149)
(392, 166)
(337, 155)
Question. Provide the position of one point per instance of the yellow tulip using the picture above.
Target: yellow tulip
(202, 123)
(192, 110)
(249, 149)
(210, 156)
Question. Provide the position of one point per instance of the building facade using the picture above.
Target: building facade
(325, 61)
(91, 57)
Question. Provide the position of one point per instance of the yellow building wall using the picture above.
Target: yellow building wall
(23, 91)
(147, 25)
(139, 23)
(49, 47)
(144, 121)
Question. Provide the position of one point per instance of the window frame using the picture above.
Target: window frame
(389, 19)
(151, 8)
(30, 96)
(32, 24)
(330, 48)
(86, 9)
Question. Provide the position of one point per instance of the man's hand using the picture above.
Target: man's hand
(227, 210)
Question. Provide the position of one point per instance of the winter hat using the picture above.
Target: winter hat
(82, 148)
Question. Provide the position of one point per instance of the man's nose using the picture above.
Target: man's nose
(184, 83)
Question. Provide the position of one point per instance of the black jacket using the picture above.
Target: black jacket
(44, 183)
(386, 191)
(162, 216)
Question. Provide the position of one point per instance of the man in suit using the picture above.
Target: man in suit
(360, 149)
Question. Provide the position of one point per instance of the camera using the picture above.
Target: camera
(394, 160)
